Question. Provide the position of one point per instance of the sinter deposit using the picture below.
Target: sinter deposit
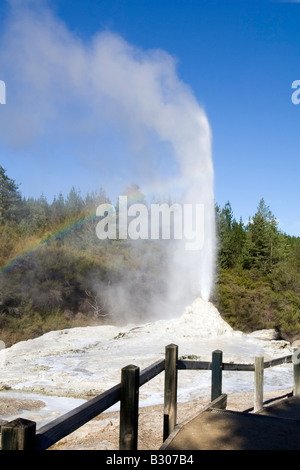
(83, 362)
(203, 319)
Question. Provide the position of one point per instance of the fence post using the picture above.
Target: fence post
(18, 434)
(296, 371)
(258, 383)
(129, 408)
(216, 374)
(170, 392)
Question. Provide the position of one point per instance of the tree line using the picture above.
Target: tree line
(258, 273)
(54, 274)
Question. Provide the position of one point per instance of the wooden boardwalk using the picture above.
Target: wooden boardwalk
(274, 428)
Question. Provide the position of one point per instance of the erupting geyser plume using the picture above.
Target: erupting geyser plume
(82, 95)
(195, 269)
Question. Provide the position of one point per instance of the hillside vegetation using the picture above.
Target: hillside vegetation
(55, 273)
(258, 281)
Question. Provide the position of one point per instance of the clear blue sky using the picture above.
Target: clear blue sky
(238, 59)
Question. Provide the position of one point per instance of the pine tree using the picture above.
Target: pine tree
(74, 203)
(9, 196)
(264, 239)
(58, 208)
(231, 237)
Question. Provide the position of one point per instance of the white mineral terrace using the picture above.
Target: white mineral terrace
(63, 368)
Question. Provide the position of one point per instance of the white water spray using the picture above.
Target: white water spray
(152, 98)
(195, 271)
(82, 89)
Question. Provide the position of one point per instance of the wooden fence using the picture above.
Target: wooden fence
(21, 434)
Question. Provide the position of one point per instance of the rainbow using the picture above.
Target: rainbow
(71, 226)
(64, 230)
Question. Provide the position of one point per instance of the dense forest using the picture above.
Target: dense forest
(55, 273)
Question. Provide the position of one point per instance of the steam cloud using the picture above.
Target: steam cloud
(64, 89)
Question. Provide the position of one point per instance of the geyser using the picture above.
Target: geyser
(195, 271)
(88, 94)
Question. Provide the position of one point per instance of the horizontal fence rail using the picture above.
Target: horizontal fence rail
(204, 365)
(21, 434)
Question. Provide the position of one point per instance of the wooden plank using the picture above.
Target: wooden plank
(278, 361)
(69, 422)
(18, 434)
(193, 365)
(128, 436)
(152, 371)
(238, 367)
(205, 365)
(170, 392)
